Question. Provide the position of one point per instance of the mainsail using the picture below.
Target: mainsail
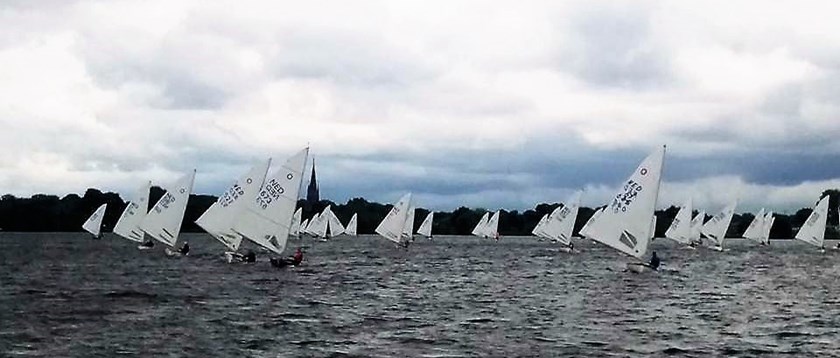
(296, 222)
(163, 222)
(561, 222)
(680, 229)
(715, 228)
(625, 224)
(219, 218)
(813, 230)
(393, 224)
(426, 227)
(351, 226)
(756, 229)
(479, 228)
(335, 227)
(267, 217)
(93, 224)
(408, 229)
(492, 228)
(128, 226)
(697, 226)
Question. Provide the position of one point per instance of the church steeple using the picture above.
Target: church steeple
(312, 196)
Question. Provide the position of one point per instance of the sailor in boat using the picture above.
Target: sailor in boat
(837, 247)
(654, 261)
(148, 243)
(294, 260)
(185, 249)
(249, 256)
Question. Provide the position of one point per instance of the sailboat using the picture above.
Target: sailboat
(128, 226)
(479, 228)
(625, 224)
(93, 224)
(426, 226)
(266, 218)
(491, 230)
(303, 227)
(539, 229)
(296, 222)
(561, 222)
(163, 222)
(813, 230)
(715, 228)
(680, 229)
(334, 227)
(218, 219)
(768, 225)
(351, 226)
(393, 225)
(408, 230)
(312, 224)
(696, 228)
(756, 228)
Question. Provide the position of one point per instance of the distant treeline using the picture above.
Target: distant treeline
(49, 213)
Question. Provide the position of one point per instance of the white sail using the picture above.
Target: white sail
(393, 224)
(479, 228)
(218, 219)
(653, 228)
(267, 217)
(310, 226)
(335, 226)
(492, 228)
(697, 226)
(426, 227)
(715, 228)
(680, 229)
(813, 230)
(408, 229)
(128, 226)
(561, 221)
(163, 222)
(756, 229)
(93, 224)
(768, 224)
(321, 224)
(351, 226)
(296, 222)
(584, 231)
(303, 227)
(626, 223)
(539, 229)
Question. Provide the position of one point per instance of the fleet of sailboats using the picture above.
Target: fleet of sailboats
(262, 209)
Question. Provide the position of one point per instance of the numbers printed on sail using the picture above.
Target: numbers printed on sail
(164, 202)
(231, 195)
(623, 200)
(270, 192)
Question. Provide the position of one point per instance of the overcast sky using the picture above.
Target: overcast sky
(478, 103)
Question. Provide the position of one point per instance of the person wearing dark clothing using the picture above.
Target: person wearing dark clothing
(185, 249)
(654, 261)
(250, 256)
(148, 243)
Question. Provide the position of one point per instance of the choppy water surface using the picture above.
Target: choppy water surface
(67, 295)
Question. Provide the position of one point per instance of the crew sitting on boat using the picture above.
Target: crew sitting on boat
(185, 249)
(148, 243)
(294, 260)
(654, 261)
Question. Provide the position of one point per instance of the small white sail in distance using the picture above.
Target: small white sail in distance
(128, 226)
(303, 227)
(310, 226)
(491, 230)
(756, 228)
(335, 226)
(93, 224)
(393, 224)
(267, 217)
(408, 230)
(218, 219)
(322, 224)
(426, 226)
(296, 222)
(351, 226)
(697, 226)
(715, 228)
(561, 221)
(768, 224)
(479, 228)
(813, 230)
(625, 224)
(680, 229)
(539, 229)
(163, 222)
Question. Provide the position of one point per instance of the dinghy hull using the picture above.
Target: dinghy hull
(637, 267)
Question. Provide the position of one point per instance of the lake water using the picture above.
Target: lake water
(67, 295)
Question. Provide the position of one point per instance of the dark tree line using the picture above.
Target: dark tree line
(49, 213)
